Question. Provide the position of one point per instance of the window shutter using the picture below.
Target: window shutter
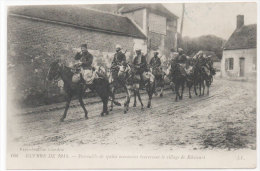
(226, 64)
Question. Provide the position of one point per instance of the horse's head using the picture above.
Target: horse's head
(54, 70)
(123, 70)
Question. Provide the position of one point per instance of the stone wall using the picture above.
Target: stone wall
(33, 45)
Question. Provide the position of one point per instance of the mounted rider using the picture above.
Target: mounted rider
(119, 59)
(140, 65)
(180, 59)
(155, 62)
(87, 71)
(84, 57)
(155, 66)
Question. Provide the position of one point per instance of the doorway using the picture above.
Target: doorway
(242, 67)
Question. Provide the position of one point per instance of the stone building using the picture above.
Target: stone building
(156, 22)
(37, 35)
(239, 53)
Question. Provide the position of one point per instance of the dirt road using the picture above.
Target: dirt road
(226, 119)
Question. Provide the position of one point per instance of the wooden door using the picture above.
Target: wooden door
(242, 67)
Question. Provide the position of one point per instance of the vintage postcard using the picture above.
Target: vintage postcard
(131, 85)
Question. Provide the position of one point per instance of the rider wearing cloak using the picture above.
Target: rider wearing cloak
(140, 64)
(88, 73)
(155, 61)
(155, 64)
(119, 59)
(180, 59)
(84, 57)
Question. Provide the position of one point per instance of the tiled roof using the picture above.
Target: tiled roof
(156, 8)
(242, 38)
(82, 17)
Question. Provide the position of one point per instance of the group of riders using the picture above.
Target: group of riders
(131, 76)
(141, 66)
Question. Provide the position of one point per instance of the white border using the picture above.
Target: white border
(3, 55)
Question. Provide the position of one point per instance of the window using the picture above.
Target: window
(231, 63)
(157, 24)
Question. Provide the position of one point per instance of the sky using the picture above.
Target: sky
(213, 18)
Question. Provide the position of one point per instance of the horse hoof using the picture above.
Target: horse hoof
(125, 112)
(107, 112)
(62, 120)
(111, 109)
(190, 97)
(86, 117)
(142, 107)
(148, 106)
(134, 105)
(102, 114)
(161, 95)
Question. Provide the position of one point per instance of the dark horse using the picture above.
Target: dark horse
(99, 85)
(177, 76)
(131, 80)
(201, 76)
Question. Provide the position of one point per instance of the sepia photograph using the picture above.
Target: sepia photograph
(131, 85)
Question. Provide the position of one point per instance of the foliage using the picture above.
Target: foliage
(208, 43)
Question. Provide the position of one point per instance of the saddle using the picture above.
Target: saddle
(157, 71)
(206, 70)
(182, 69)
(189, 70)
(148, 76)
(88, 75)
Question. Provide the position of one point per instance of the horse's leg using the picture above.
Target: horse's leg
(182, 89)
(200, 87)
(162, 86)
(203, 85)
(126, 105)
(195, 88)
(83, 106)
(134, 98)
(177, 91)
(150, 90)
(139, 98)
(66, 108)
(189, 89)
(105, 102)
(208, 84)
(113, 97)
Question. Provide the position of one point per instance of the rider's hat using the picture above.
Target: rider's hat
(138, 50)
(84, 45)
(118, 46)
(180, 49)
(156, 52)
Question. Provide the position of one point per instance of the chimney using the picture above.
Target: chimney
(240, 21)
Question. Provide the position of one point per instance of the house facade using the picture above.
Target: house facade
(240, 52)
(40, 34)
(157, 23)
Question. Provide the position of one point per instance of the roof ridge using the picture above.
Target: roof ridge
(87, 8)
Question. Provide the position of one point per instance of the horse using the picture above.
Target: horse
(177, 75)
(127, 75)
(190, 78)
(202, 75)
(77, 88)
(159, 75)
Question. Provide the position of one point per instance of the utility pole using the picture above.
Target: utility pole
(182, 19)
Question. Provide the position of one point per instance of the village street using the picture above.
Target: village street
(226, 119)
